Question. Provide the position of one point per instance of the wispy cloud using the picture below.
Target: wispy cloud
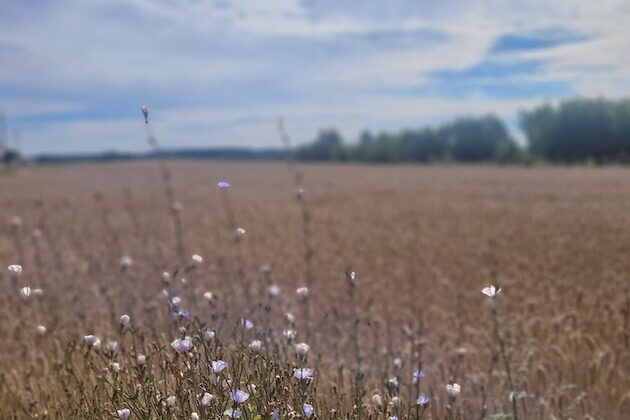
(73, 73)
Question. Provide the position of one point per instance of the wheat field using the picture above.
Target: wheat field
(392, 325)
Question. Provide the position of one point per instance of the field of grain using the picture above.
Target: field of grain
(423, 242)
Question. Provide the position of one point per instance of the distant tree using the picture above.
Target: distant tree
(579, 130)
(424, 145)
(11, 157)
(327, 146)
(476, 139)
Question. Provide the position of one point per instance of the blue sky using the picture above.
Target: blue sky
(74, 73)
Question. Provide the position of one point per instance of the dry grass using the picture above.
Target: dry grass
(423, 242)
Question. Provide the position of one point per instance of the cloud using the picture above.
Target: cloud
(73, 74)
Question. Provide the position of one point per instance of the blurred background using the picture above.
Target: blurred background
(401, 80)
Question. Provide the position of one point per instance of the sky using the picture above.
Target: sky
(74, 73)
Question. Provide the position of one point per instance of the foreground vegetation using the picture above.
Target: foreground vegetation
(183, 299)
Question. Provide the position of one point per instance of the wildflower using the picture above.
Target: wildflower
(141, 359)
(289, 334)
(240, 232)
(182, 345)
(302, 293)
(308, 410)
(165, 278)
(491, 291)
(417, 375)
(395, 402)
(170, 401)
(255, 346)
(174, 303)
(233, 413)
(25, 292)
(301, 349)
(15, 268)
(218, 366)
(422, 400)
(208, 296)
(123, 413)
(273, 290)
(125, 262)
(208, 335)
(145, 112)
(453, 390)
(238, 396)
(398, 363)
(41, 330)
(112, 347)
(275, 414)
(461, 351)
(377, 401)
(247, 324)
(265, 268)
(114, 367)
(303, 374)
(351, 277)
(206, 399)
(194, 416)
(224, 185)
(183, 313)
(124, 320)
(289, 317)
(393, 384)
(91, 341)
(393, 418)
(197, 258)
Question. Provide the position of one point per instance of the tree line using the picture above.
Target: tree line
(575, 131)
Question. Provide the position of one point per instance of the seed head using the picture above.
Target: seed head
(301, 349)
(125, 262)
(302, 293)
(145, 112)
(377, 401)
(124, 320)
(208, 335)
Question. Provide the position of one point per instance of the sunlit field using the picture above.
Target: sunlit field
(126, 295)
